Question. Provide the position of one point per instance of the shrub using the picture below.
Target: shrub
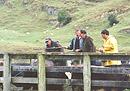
(64, 17)
(112, 19)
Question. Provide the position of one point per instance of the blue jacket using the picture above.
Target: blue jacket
(72, 45)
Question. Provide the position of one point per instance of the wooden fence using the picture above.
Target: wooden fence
(41, 70)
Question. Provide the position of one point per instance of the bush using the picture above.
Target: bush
(64, 17)
(112, 19)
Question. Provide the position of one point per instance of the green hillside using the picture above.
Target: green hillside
(24, 24)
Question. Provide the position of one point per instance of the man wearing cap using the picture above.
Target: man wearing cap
(52, 44)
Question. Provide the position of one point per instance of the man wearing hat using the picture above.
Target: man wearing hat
(51, 43)
(53, 46)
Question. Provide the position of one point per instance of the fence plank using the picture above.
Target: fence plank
(60, 81)
(87, 73)
(1, 79)
(107, 83)
(65, 57)
(7, 73)
(25, 68)
(24, 80)
(23, 56)
(94, 69)
(1, 68)
(41, 73)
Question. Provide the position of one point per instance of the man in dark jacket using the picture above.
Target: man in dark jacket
(76, 42)
(88, 45)
(53, 46)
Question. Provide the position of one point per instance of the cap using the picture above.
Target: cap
(47, 39)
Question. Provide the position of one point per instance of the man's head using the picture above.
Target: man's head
(48, 41)
(77, 33)
(83, 33)
(105, 33)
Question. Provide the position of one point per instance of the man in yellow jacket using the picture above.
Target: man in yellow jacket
(109, 46)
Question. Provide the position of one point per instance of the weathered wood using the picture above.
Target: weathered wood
(1, 68)
(62, 57)
(65, 57)
(23, 56)
(85, 53)
(24, 68)
(1, 79)
(41, 73)
(1, 55)
(86, 73)
(56, 81)
(59, 81)
(94, 69)
(93, 56)
(110, 57)
(64, 69)
(111, 83)
(14, 88)
(24, 80)
(107, 70)
(7, 73)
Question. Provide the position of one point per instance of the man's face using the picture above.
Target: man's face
(82, 35)
(77, 33)
(49, 42)
(104, 36)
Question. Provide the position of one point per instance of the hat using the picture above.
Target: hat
(47, 39)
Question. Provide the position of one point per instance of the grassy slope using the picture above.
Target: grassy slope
(20, 32)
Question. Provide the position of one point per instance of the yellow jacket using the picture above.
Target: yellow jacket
(110, 46)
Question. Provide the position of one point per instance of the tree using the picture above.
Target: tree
(112, 19)
(64, 17)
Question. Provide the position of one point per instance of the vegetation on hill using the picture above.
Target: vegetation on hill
(25, 25)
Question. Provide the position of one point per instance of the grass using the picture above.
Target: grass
(21, 31)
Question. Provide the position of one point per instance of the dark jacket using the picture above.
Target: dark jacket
(55, 47)
(72, 45)
(88, 45)
(53, 44)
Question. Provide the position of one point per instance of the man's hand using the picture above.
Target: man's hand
(100, 50)
(1, 63)
(66, 47)
(103, 46)
(77, 50)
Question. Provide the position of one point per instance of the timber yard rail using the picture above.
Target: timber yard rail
(41, 70)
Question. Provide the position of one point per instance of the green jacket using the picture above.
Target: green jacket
(88, 45)
(55, 47)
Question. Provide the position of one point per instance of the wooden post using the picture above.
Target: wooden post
(41, 73)
(7, 73)
(86, 73)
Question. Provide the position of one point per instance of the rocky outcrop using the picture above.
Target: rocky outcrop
(53, 21)
(1, 1)
(50, 10)
(125, 31)
(115, 11)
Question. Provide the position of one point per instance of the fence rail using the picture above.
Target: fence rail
(87, 70)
